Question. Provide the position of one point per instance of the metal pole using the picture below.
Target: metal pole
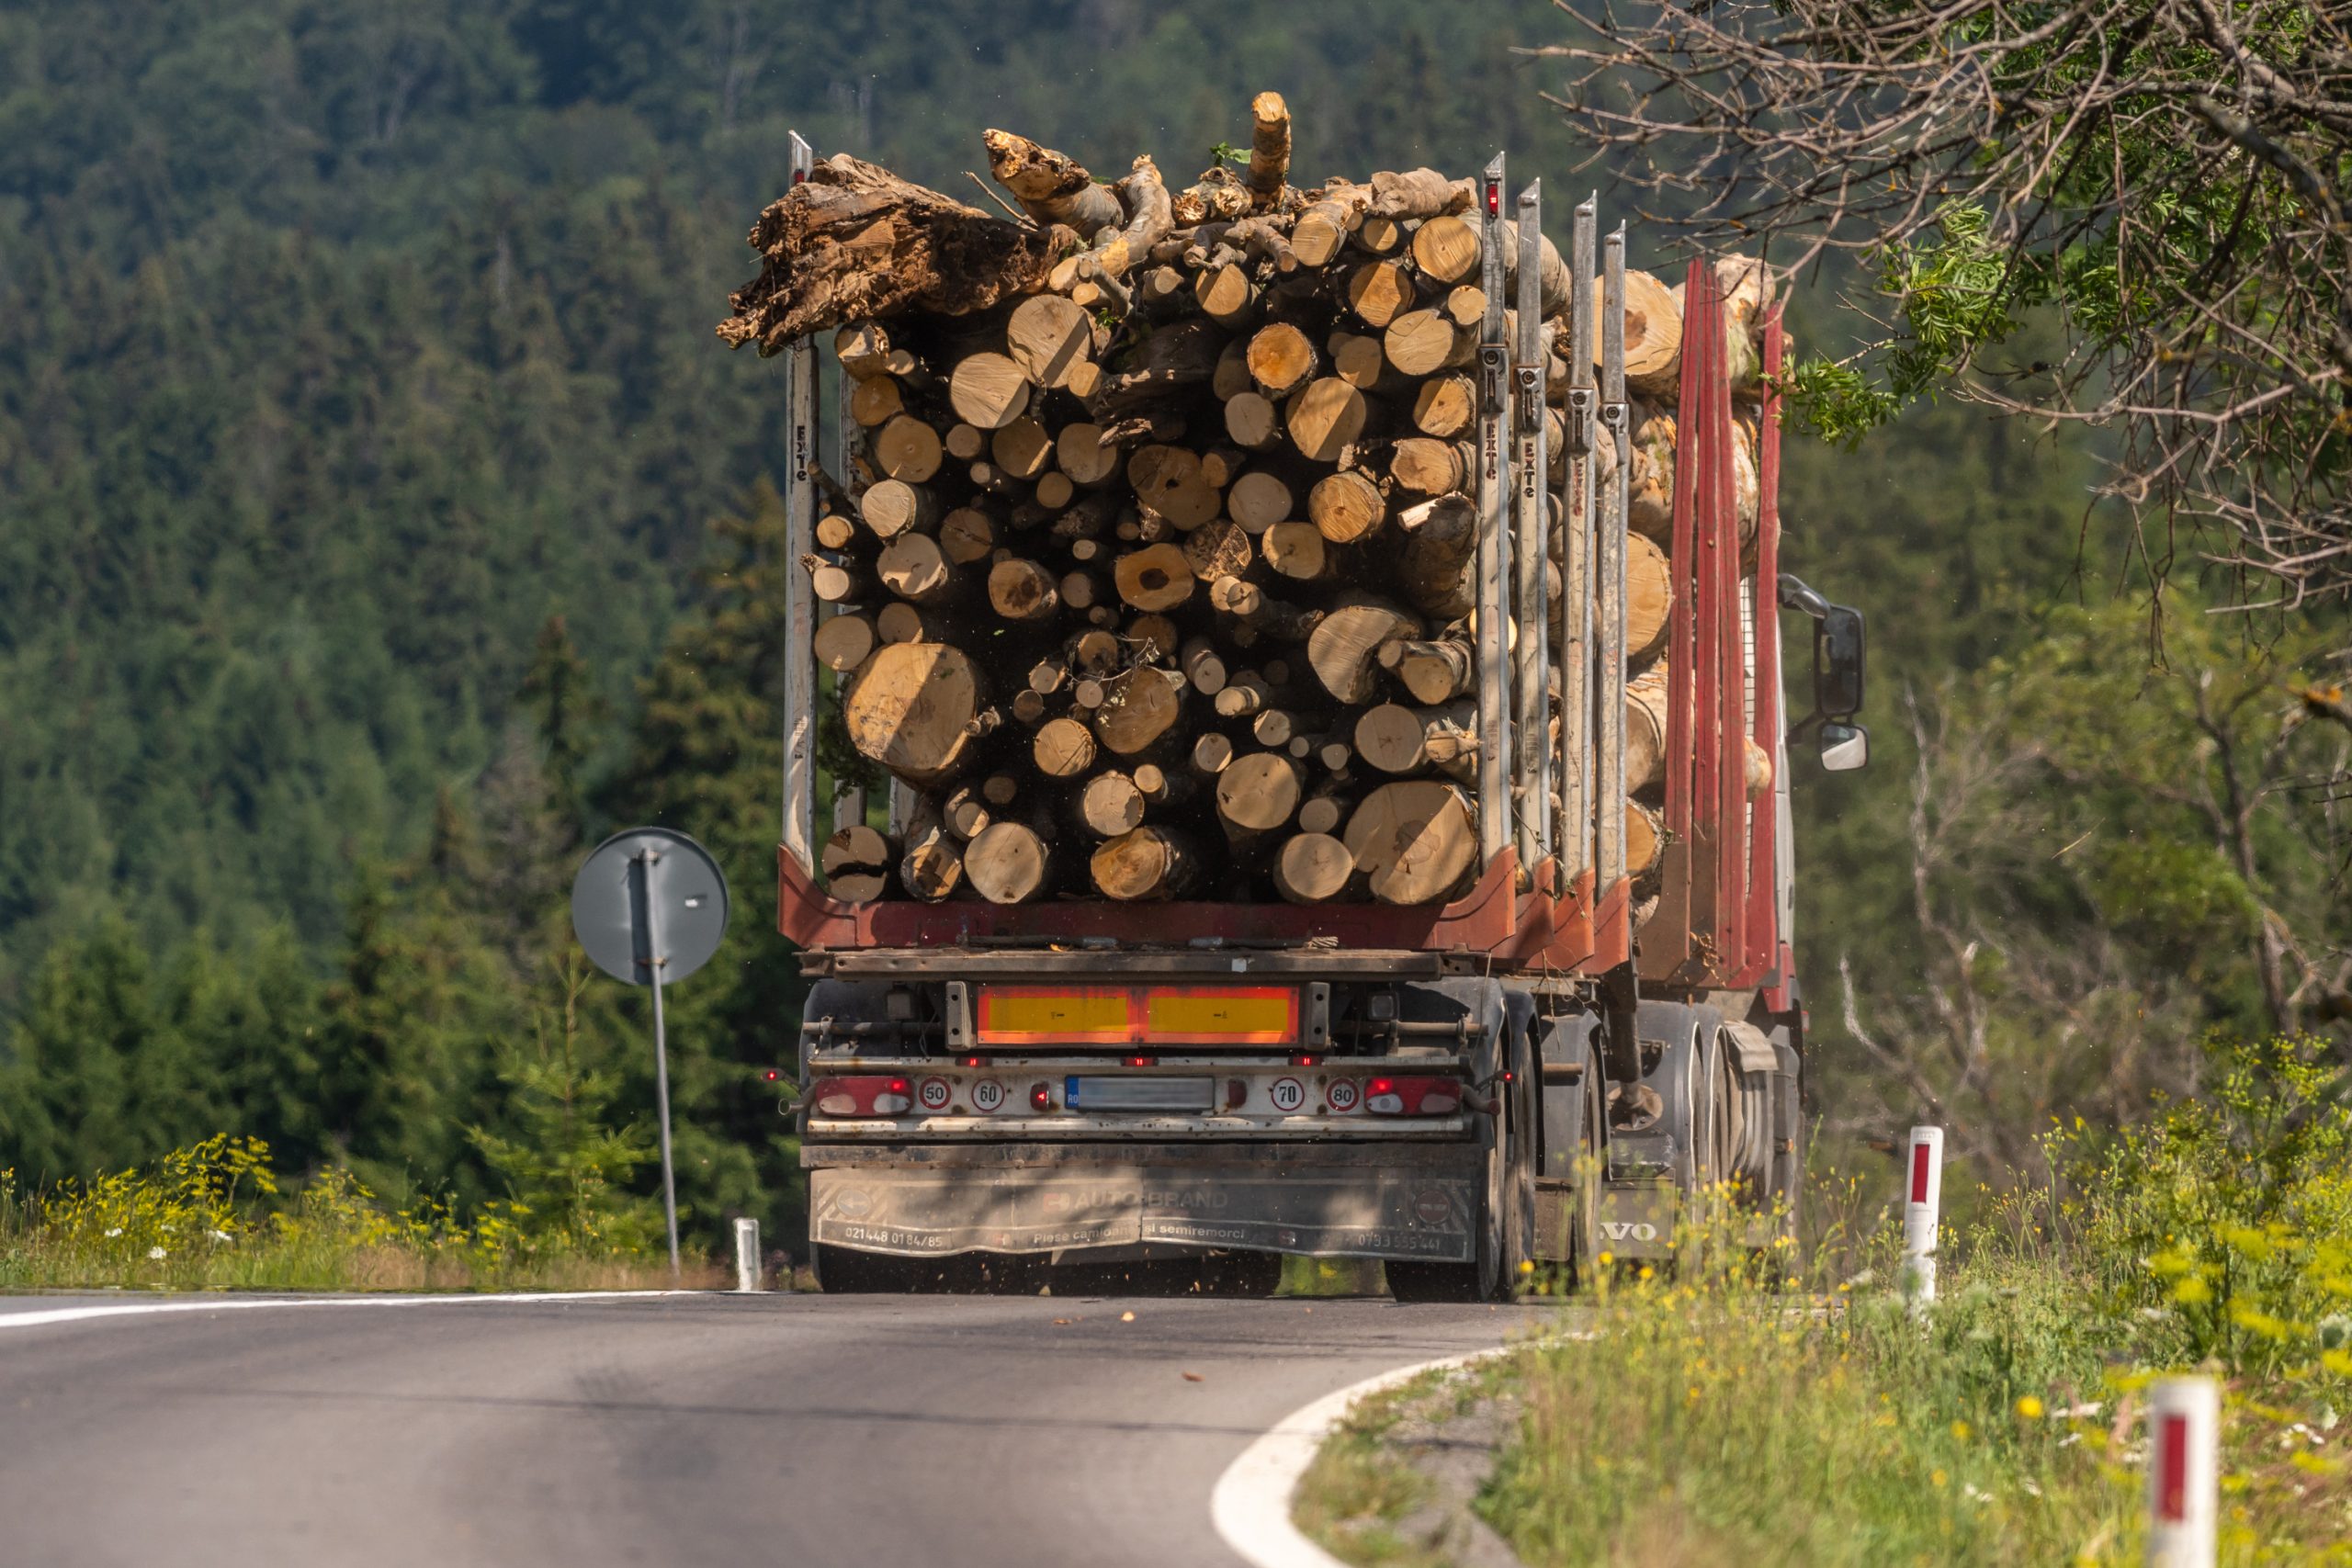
(1531, 688)
(1494, 542)
(1576, 740)
(799, 599)
(747, 1256)
(654, 961)
(1609, 773)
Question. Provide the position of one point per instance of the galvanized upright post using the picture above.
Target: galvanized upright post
(1576, 561)
(848, 803)
(649, 890)
(1532, 686)
(799, 598)
(1608, 703)
(1494, 537)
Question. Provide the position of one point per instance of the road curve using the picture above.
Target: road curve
(868, 1432)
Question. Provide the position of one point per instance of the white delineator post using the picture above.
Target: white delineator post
(1923, 1175)
(2184, 1416)
(747, 1255)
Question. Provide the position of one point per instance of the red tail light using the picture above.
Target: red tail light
(863, 1097)
(1412, 1096)
(1041, 1097)
(1143, 1061)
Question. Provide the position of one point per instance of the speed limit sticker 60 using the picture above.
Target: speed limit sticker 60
(987, 1095)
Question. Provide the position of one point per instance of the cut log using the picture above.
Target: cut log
(856, 863)
(1094, 655)
(863, 347)
(1357, 359)
(907, 449)
(1553, 287)
(1080, 452)
(967, 812)
(1225, 295)
(965, 442)
(1022, 448)
(932, 866)
(834, 532)
(1422, 343)
(1431, 466)
(1325, 810)
(911, 708)
(1312, 868)
(1140, 709)
(1649, 597)
(1022, 590)
(1280, 358)
(1162, 788)
(1324, 227)
(1231, 378)
(1168, 479)
(1415, 842)
(1063, 749)
(837, 582)
(1759, 769)
(855, 242)
(989, 390)
(1326, 417)
(1256, 794)
(1653, 334)
(1220, 549)
(1446, 249)
(1398, 739)
(1649, 507)
(891, 508)
(1269, 148)
(1379, 292)
(1346, 506)
(1646, 716)
(914, 568)
(1110, 804)
(1155, 578)
(875, 401)
(844, 642)
(1445, 407)
(1251, 420)
(1259, 613)
(1054, 492)
(1050, 186)
(1438, 569)
(1153, 637)
(1296, 550)
(901, 622)
(1010, 862)
(1048, 337)
(1212, 754)
(1083, 590)
(1432, 672)
(1644, 838)
(1203, 667)
(1257, 501)
(1144, 862)
(1378, 235)
(1466, 306)
(1419, 193)
(1345, 645)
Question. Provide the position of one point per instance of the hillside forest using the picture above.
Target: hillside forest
(381, 525)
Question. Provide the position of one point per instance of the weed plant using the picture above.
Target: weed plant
(213, 1217)
(1736, 1405)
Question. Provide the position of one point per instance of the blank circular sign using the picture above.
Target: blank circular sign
(645, 885)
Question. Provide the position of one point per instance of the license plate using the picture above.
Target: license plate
(1138, 1094)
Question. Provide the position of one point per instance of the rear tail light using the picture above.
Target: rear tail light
(1041, 1097)
(1412, 1096)
(863, 1097)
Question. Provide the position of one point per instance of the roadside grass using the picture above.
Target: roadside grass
(1737, 1408)
(1362, 1497)
(212, 1217)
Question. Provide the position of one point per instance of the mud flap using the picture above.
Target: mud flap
(1345, 1212)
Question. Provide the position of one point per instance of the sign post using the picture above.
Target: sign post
(2183, 1416)
(650, 907)
(1923, 1195)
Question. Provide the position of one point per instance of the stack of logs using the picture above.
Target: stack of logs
(1154, 576)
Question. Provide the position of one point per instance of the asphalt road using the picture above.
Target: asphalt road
(804, 1430)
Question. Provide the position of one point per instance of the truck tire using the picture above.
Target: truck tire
(1591, 1167)
(1505, 1224)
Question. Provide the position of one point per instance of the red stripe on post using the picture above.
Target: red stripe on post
(1919, 1155)
(2172, 1469)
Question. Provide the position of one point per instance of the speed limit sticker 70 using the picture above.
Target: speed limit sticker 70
(1289, 1094)
(987, 1095)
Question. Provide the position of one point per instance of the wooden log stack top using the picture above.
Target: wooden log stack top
(1153, 576)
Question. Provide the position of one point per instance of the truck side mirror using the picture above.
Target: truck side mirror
(1837, 662)
(1844, 747)
(1837, 678)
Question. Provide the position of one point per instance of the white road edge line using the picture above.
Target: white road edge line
(135, 1309)
(1252, 1503)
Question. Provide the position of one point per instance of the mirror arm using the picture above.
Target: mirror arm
(1795, 595)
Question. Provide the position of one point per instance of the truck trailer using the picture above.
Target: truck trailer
(1502, 1087)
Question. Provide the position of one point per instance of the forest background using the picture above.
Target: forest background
(380, 524)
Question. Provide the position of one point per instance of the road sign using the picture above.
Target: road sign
(650, 907)
(644, 878)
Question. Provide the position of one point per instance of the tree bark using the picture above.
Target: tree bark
(1050, 186)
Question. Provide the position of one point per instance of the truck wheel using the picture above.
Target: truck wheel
(1591, 1170)
(1504, 1221)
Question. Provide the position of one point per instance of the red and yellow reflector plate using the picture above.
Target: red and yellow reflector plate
(1137, 1015)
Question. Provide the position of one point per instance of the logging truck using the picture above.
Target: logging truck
(1322, 651)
